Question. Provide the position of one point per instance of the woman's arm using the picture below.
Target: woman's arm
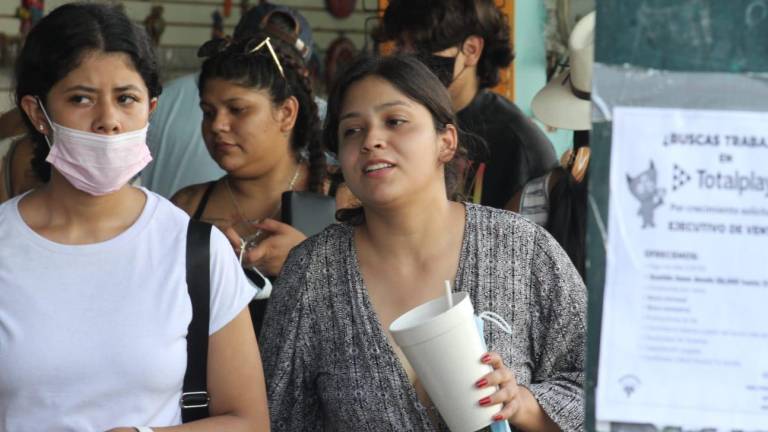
(235, 382)
(290, 339)
(187, 198)
(558, 329)
(520, 407)
(235, 377)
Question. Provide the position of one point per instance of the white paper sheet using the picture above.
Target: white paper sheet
(685, 317)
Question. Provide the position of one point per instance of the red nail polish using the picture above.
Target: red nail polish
(485, 401)
(481, 383)
(485, 358)
(498, 417)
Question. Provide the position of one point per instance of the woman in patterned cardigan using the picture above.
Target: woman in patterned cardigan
(329, 360)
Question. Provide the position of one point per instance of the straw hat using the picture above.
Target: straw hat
(564, 102)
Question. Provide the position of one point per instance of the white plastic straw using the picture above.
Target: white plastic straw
(448, 295)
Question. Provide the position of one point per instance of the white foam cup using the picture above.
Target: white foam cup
(444, 348)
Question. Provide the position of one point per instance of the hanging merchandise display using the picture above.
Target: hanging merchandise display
(154, 23)
(217, 26)
(340, 53)
(340, 8)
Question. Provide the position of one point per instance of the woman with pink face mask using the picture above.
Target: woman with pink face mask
(94, 303)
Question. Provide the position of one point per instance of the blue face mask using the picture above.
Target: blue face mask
(503, 425)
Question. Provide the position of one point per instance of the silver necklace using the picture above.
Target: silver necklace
(252, 239)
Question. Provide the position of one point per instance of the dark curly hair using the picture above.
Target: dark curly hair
(434, 25)
(257, 70)
(409, 76)
(57, 45)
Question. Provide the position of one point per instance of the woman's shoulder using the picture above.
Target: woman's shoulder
(515, 232)
(312, 264)
(320, 254)
(534, 249)
(163, 215)
(494, 219)
(189, 197)
(328, 243)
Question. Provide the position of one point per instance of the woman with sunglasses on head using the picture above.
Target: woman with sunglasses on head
(330, 362)
(260, 125)
(94, 303)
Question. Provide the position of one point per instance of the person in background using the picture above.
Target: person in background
(16, 153)
(94, 305)
(260, 125)
(466, 43)
(16, 173)
(180, 156)
(154, 24)
(329, 360)
(558, 200)
(11, 126)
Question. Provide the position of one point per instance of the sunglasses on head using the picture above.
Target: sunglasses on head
(253, 46)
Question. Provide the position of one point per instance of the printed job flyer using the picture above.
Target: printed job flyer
(685, 316)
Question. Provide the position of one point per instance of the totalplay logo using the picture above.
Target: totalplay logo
(733, 181)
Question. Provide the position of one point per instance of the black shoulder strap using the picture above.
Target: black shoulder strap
(204, 201)
(194, 398)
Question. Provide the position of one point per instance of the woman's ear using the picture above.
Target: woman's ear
(35, 114)
(287, 113)
(448, 142)
(152, 105)
(472, 48)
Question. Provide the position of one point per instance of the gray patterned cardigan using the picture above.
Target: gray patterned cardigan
(329, 365)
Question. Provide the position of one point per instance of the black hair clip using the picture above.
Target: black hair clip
(214, 46)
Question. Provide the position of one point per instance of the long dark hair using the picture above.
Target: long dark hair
(56, 46)
(234, 62)
(411, 77)
(567, 220)
(434, 25)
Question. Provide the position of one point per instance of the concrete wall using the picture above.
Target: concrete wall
(189, 21)
(530, 61)
(188, 24)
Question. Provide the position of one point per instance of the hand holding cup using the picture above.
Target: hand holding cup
(508, 393)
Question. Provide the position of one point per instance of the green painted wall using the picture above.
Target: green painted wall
(530, 63)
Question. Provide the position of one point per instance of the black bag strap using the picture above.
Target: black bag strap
(194, 397)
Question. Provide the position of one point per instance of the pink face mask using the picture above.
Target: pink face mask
(94, 163)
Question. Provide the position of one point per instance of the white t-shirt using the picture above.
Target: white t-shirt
(94, 336)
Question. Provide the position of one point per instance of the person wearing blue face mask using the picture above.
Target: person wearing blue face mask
(94, 303)
(465, 43)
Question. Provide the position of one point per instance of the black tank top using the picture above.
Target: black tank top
(204, 201)
(258, 308)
